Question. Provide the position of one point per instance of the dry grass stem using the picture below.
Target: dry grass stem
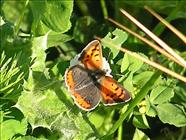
(153, 64)
(168, 25)
(156, 47)
(154, 37)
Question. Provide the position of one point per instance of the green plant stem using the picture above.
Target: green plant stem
(104, 9)
(120, 132)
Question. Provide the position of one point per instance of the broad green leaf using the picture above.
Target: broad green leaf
(119, 38)
(50, 112)
(39, 45)
(11, 127)
(66, 125)
(44, 105)
(139, 135)
(38, 7)
(172, 114)
(17, 10)
(55, 39)
(54, 14)
(142, 78)
(161, 94)
(51, 108)
(130, 63)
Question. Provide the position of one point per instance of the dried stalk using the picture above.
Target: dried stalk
(168, 25)
(155, 38)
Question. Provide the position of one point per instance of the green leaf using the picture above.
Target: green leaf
(44, 105)
(39, 45)
(142, 78)
(29, 138)
(139, 135)
(55, 39)
(51, 108)
(18, 11)
(180, 94)
(150, 108)
(140, 121)
(66, 124)
(125, 63)
(130, 63)
(161, 94)
(128, 83)
(172, 114)
(38, 7)
(54, 14)
(11, 127)
(119, 38)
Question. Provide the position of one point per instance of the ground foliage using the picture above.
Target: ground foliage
(38, 40)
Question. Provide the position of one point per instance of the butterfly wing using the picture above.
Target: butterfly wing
(91, 56)
(84, 91)
(112, 92)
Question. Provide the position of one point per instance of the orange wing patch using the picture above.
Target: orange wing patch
(112, 92)
(69, 79)
(80, 101)
(91, 57)
(77, 97)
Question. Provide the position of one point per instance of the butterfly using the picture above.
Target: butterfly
(89, 80)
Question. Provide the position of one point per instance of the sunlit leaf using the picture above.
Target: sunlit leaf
(54, 14)
(161, 94)
(172, 114)
(39, 46)
(11, 127)
(130, 63)
(139, 135)
(117, 38)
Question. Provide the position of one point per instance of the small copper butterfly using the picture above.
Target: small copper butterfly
(89, 80)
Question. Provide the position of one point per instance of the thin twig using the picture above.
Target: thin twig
(154, 37)
(168, 25)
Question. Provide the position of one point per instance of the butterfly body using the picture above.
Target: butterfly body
(89, 80)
